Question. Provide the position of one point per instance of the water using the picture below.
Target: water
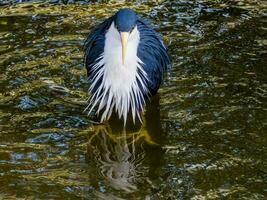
(204, 135)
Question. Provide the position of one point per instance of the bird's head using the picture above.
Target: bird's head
(125, 21)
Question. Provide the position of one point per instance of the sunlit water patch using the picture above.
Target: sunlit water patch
(203, 137)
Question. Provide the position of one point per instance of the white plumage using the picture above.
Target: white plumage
(119, 88)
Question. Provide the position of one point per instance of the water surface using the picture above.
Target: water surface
(203, 137)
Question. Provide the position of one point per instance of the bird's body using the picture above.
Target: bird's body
(125, 61)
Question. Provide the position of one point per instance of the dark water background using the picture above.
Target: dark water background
(204, 135)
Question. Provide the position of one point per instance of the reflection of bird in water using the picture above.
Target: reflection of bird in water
(118, 160)
(125, 60)
(124, 157)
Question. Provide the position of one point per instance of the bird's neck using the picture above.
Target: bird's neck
(121, 82)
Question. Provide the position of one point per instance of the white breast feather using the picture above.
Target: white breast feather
(119, 89)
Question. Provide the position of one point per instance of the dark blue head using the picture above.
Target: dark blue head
(125, 20)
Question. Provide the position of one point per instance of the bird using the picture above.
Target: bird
(125, 59)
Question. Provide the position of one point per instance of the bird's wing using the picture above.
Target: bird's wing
(153, 54)
(149, 25)
(94, 44)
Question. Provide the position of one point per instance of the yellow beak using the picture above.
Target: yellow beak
(124, 39)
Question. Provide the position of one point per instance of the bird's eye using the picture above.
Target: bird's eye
(132, 29)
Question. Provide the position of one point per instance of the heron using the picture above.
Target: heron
(125, 60)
